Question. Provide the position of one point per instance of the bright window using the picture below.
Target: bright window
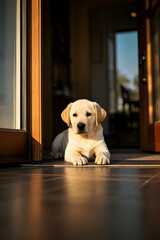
(10, 100)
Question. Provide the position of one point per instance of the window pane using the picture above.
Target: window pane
(127, 66)
(10, 64)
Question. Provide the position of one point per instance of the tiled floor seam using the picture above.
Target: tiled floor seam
(149, 180)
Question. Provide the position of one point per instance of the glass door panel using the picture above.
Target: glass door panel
(10, 49)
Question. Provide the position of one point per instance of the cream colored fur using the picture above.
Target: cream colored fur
(78, 145)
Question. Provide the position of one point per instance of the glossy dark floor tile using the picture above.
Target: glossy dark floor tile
(80, 203)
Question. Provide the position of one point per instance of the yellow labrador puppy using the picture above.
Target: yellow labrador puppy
(83, 140)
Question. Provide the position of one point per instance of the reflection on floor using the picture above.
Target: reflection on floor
(120, 202)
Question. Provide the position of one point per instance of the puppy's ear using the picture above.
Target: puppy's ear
(65, 115)
(100, 113)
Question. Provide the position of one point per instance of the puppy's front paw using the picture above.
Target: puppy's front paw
(101, 159)
(57, 155)
(80, 161)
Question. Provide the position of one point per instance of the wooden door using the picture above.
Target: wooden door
(149, 125)
(22, 135)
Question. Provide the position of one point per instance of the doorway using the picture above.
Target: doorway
(80, 62)
(76, 65)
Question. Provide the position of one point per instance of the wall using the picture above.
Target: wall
(99, 87)
(56, 81)
(88, 42)
(79, 49)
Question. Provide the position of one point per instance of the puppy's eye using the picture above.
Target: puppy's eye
(74, 114)
(88, 114)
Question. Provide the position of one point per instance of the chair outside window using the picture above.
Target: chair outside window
(132, 106)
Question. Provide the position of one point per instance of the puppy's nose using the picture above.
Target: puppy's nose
(81, 126)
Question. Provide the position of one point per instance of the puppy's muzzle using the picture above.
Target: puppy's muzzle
(81, 127)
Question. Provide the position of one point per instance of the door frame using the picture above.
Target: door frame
(35, 80)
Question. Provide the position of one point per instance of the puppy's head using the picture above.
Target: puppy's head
(83, 116)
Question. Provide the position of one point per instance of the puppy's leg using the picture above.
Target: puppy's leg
(59, 145)
(102, 155)
(75, 157)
